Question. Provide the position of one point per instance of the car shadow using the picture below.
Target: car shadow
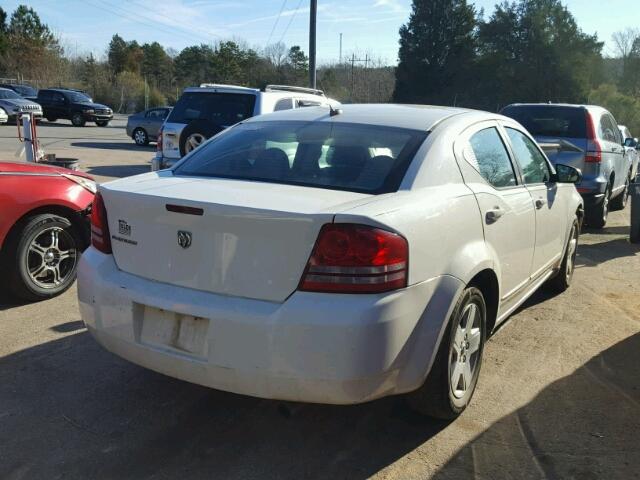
(590, 255)
(583, 426)
(70, 409)
(115, 146)
(118, 171)
(67, 124)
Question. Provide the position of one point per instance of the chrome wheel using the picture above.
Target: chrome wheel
(140, 137)
(464, 353)
(194, 141)
(605, 205)
(51, 258)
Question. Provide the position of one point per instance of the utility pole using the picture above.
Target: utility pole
(340, 61)
(313, 14)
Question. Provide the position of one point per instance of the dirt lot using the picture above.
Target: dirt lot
(559, 393)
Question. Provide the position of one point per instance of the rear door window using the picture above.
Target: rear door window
(550, 120)
(222, 109)
(488, 155)
(532, 163)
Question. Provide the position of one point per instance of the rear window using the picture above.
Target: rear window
(339, 156)
(550, 121)
(223, 109)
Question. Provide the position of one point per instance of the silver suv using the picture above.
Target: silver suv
(588, 138)
(201, 112)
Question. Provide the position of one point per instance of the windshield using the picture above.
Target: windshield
(340, 156)
(6, 94)
(78, 97)
(550, 121)
(25, 90)
(222, 109)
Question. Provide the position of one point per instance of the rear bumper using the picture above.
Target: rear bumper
(322, 348)
(160, 163)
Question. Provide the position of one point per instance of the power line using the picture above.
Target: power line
(290, 20)
(275, 24)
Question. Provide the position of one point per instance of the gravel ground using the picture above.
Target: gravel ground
(558, 398)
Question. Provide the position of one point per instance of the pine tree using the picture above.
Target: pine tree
(437, 49)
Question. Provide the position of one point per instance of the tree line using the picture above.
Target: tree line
(449, 54)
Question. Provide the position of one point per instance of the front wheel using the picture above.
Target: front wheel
(452, 380)
(102, 123)
(562, 280)
(620, 202)
(77, 119)
(42, 257)
(140, 137)
(51, 119)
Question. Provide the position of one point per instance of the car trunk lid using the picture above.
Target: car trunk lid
(230, 237)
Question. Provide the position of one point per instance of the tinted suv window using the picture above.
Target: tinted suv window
(339, 156)
(487, 154)
(532, 163)
(550, 120)
(223, 109)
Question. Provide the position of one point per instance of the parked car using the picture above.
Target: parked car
(632, 147)
(4, 118)
(201, 112)
(144, 127)
(23, 89)
(43, 228)
(585, 137)
(74, 105)
(13, 105)
(332, 256)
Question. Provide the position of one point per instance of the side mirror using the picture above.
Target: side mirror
(630, 142)
(566, 174)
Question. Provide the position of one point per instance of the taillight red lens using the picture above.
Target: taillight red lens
(594, 150)
(351, 258)
(159, 142)
(99, 225)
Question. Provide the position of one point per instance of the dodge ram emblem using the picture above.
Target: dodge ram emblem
(184, 239)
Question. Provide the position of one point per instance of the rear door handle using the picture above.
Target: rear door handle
(540, 203)
(492, 216)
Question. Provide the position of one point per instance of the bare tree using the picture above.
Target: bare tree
(276, 53)
(623, 41)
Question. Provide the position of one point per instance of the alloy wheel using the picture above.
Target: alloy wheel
(464, 354)
(194, 141)
(51, 258)
(140, 137)
(571, 253)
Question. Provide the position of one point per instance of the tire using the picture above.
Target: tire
(77, 119)
(196, 133)
(562, 279)
(440, 396)
(620, 201)
(596, 217)
(38, 266)
(51, 119)
(102, 123)
(140, 137)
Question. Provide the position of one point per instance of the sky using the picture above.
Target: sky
(368, 27)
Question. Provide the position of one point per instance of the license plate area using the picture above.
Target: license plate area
(164, 329)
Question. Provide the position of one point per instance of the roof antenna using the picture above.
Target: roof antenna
(334, 111)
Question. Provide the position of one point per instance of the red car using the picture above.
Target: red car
(43, 227)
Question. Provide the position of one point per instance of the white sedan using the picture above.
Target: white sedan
(331, 256)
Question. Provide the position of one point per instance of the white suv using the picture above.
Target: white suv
(202, 112)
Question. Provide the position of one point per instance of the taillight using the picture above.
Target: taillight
(350, 258)
(594, 150)
(99, 225)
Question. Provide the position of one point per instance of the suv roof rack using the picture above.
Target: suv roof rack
(290, 88)
(222, 85)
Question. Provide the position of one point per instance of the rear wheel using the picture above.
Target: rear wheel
(77, 119)
(42, 256)
(562, 280)
(620, 202)
(453, 377)
(596, 217)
